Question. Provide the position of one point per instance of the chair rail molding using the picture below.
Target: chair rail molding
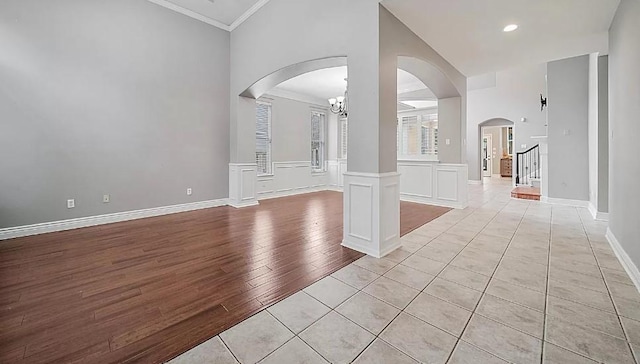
(372, 212)
(242, 184)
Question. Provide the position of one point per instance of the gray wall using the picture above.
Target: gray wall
(291, 128)
(624, 127)
(514, 94)
(603, 134)
(568, 90)
(119, 97)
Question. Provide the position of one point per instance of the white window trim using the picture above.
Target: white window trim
(322, 141)
(269, 172)
(418, 114)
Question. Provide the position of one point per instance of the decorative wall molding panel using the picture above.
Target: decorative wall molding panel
(48, 227)
(372, 212)
(336, 169)
(242, 184)
(625, 260)
(291, 178)
(434, 183)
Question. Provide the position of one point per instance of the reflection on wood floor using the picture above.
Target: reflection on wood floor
(147, 290)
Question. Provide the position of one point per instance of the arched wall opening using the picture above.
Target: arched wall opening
(499, 122)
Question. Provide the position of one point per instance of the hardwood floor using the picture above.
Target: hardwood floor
(147, 290)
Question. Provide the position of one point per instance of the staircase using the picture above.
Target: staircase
(528, 174)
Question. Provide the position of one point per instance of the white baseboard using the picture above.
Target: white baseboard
(432, 201)
(475, 182)
(625, 260)
(564, 202)
(291, 192)
(597, 215)
(48, 227)
(244, 204)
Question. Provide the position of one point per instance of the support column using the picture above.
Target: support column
(371, 183)
(243, 169)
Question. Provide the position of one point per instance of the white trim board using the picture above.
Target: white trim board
(564, 202)
(205, 19)
(597, 215)
(48, 227)
(625, 260)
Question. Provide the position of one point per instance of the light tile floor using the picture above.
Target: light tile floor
(501, 281)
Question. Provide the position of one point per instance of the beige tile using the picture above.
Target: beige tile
(440, 252)
(337, 339)
(256, 337)
(330, 291)
(513, 315)
(355, 276)
(521, 278)
(211, 351)
(392, 292)
(379, 352)
(423, 264)
(439, 313)
(411, 247)
(591, 343)
(418, 339)
(518, 294)
(398, 255)
(409, 277)
(583, 268)
(376, 265)
(468, 354)
(596, 299)
(298, 311)
(465, 277)
(611, 275)
(619, 290)
(368, 312)
(502, 341)
(627, 308)
(577, 279)
(632, 329)
(557, 355)
(475, 264)
(294, 351)
(585, 316)
(454, 293)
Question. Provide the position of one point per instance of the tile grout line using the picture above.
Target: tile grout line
(615, 308)
(488, 282)
(546, 287)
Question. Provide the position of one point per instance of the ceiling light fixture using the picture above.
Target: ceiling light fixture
(510, 28)
(339, 104)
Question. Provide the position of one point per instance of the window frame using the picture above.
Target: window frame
(431, 123)
(269, 139)
(322, 141)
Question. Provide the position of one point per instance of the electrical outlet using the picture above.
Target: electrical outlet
(71, 203)
(106, 198)
(189, 191)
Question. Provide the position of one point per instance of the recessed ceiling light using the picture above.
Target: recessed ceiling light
(510, 28)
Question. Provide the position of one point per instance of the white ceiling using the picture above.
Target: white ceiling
(225, 14)
(329, 82)
(468, 33)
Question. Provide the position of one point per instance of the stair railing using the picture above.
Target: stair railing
(527, 165)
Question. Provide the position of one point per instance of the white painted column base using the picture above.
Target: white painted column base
(243, 179)
(372, 212)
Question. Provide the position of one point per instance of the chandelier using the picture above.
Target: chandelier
(339, 105)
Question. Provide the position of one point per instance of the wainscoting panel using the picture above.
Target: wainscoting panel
(290, 178)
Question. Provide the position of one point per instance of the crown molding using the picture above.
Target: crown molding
(247, 14)
(195, 15)
(190, 13)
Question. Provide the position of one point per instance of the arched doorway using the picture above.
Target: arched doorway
(500, 151)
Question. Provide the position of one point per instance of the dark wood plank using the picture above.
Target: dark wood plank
(150, 289)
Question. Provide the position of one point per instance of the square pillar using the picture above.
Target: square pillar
(243, 179)
(372, 212)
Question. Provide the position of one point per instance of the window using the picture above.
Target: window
(418, 135)
(429, 134)
(317, 141)
(263, 138)
(510, 140)
(344, 136)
